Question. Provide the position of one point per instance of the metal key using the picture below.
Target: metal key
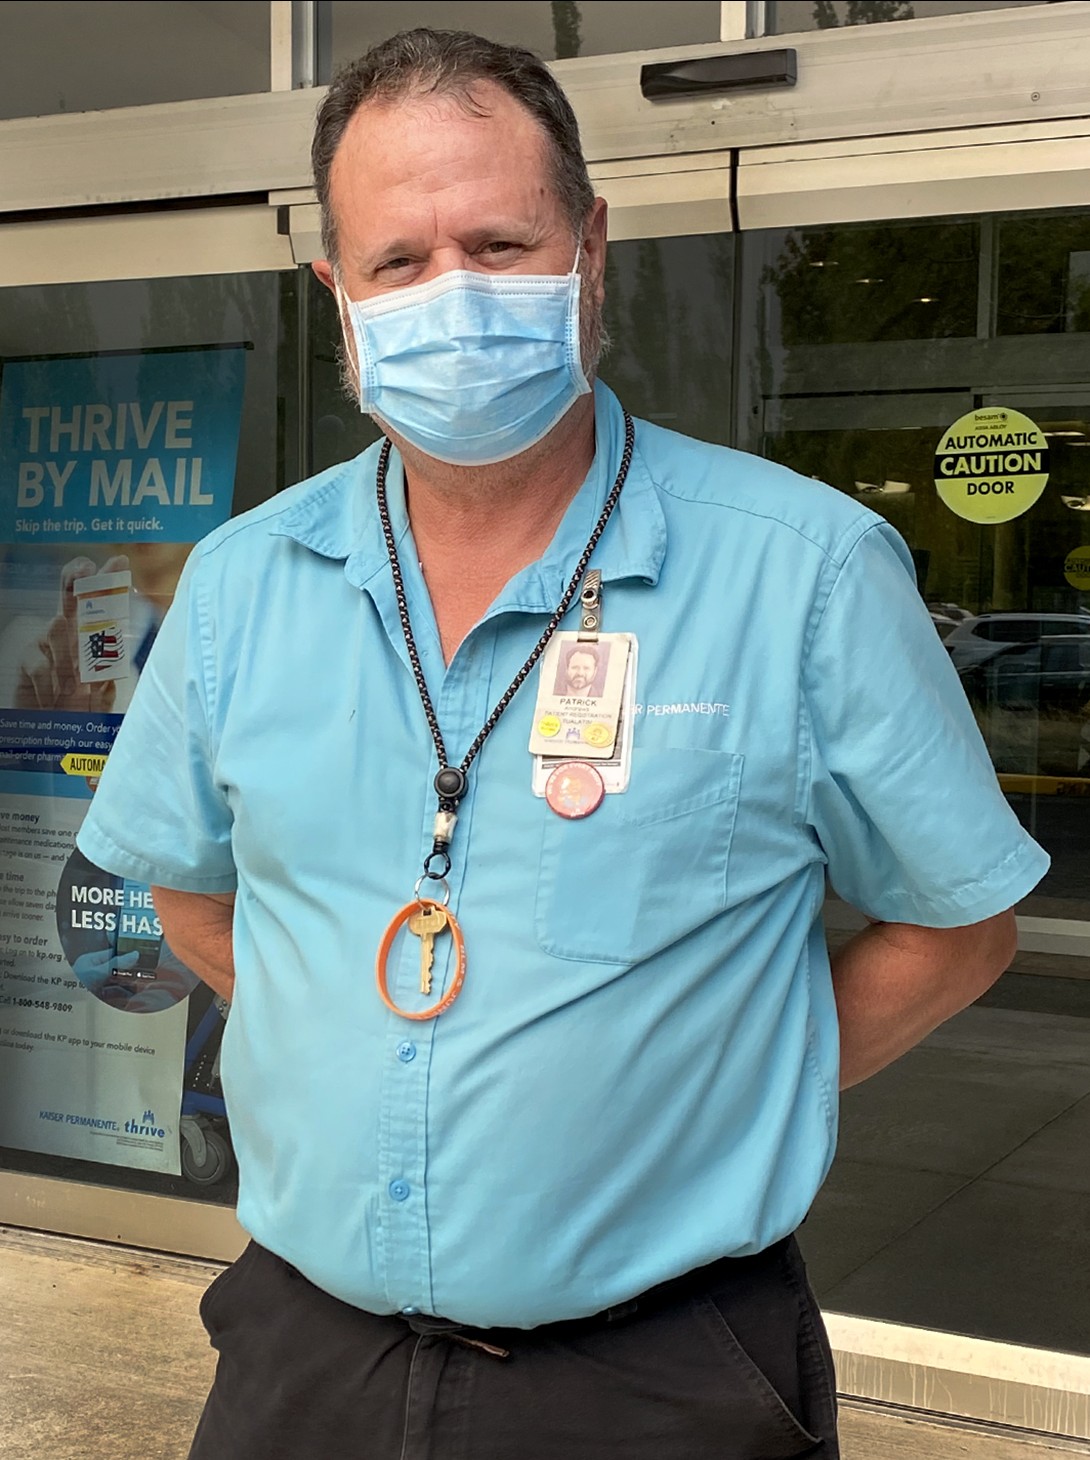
(427, 924)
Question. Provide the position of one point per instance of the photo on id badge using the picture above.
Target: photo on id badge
(581, 725)
(582, 670)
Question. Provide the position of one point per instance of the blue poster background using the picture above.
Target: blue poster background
(134, 447)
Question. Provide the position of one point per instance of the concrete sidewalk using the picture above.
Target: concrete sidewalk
(103, 1357)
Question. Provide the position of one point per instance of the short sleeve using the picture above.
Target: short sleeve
(900, 790)
(158, 815)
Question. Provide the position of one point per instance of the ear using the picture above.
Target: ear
(594, 247)
(323, 272)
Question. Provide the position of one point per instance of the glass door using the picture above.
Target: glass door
(1025, 663)
(869, 355)
(136, 414)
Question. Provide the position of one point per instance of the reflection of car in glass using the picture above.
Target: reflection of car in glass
(1027, 677)
(946, 617)
(977, 640)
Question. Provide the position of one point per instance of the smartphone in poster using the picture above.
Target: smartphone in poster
(111, 467)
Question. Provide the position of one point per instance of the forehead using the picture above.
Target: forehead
(403, 160)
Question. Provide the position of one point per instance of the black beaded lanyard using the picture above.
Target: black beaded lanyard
(425, 916)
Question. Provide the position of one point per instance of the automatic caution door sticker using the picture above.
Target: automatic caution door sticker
(1077, 568)
(991, 465)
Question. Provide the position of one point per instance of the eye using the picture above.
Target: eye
(392, 265)
(498, 248)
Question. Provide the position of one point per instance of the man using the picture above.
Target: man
(533, 1193)
(580, 671)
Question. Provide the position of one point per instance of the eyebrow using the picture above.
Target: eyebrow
(524, 232)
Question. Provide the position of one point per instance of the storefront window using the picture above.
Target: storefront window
(134, 418)
(825, 286)
(142, 52)
(1044, 276)
(794, 15)
(554, 31)
(956, 1201)
(876, 339)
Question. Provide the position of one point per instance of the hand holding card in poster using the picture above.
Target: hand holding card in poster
(86, 653)
(50, 664)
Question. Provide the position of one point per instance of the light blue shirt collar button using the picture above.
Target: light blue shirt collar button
(399, 1189)
(406, 1051)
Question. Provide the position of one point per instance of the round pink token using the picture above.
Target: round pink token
(574, 789)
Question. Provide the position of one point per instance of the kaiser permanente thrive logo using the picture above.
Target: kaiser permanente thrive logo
(145, 1126)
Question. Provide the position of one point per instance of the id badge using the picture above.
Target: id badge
(579, 695)
(615, 766)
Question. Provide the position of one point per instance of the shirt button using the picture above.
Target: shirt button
(410, 1312)
(406, 1052)
(399, 1189)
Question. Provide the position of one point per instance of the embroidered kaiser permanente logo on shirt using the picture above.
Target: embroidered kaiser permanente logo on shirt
(686, 707)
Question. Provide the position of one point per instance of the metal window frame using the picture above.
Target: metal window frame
(880, 82)
(281, 47)
(735, 23)
(929, 174)
(115, 1214)
(147, 245)
(926, 1370)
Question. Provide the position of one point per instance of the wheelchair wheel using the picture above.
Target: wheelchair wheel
(215, 1165)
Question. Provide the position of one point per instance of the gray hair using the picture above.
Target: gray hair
(447, 63)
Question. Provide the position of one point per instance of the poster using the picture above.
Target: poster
(111, 467)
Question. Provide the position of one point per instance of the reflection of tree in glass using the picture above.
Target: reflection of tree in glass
(668, 316)
(567, 35)
(898, 282)
(1044, 275)
(862, 12)
(242, 308)
(71, 326)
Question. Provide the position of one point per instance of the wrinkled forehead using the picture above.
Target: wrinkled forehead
(433, 141)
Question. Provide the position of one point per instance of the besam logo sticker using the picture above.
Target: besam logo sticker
(991, 465)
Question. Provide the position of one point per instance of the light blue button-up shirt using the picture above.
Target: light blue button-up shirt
(640, 1074)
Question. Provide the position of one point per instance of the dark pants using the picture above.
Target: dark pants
(728, 1363)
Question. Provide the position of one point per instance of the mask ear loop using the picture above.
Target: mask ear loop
(575, 321)
(348, 333)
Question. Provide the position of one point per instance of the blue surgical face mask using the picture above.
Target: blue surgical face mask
(471, 368)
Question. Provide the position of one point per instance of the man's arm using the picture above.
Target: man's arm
(197, 925)
(895, 982)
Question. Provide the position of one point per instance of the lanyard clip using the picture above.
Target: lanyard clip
(590, 597)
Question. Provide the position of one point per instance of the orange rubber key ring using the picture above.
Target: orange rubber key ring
(397, 923)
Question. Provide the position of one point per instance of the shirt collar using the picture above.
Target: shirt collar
(338, 518)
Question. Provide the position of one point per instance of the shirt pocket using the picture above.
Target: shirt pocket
(645, 869)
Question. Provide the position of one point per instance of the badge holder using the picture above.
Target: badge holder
(600, 757)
